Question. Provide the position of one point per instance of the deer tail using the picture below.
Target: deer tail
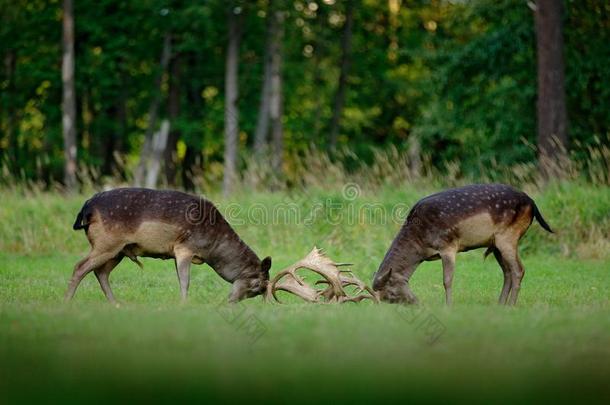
(82, 218)
(540, 218)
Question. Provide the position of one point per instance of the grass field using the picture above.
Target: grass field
(555, 344)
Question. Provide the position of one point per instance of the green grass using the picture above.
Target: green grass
(554, 345)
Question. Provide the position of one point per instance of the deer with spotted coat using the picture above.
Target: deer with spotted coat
(439, 226)
(132, 222)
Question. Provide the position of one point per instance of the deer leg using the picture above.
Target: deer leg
(84, 267)
(183, 268)
(103, 272)
(517, 272)
(448, 259)
(77, 276)
(507, 276)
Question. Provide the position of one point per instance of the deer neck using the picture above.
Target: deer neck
(402, 258)
(231, 257)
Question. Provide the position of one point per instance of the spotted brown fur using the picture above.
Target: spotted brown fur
(166, 224)
(439, 226)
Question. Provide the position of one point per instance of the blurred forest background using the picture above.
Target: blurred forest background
(206, 94)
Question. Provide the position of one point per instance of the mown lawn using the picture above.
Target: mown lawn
(554, 345)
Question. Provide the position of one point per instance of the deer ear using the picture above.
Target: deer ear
(266, 264)
(380, 280)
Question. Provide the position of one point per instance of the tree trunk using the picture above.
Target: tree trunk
(414, 154)
(275, 98)
(187, 169)
(121, 119)
(69, 97)
(552, 115)
(153, 111)
(109, 132)
(192, 154)
(346, 45)
(262, 124)
(231, 109)
(117, 117)
(318, 84)
(170, 156)
(159, 145)
(10, 62)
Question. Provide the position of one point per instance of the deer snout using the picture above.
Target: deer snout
(396, 293)
(247, 288)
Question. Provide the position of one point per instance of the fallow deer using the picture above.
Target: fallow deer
(439, 226)
(132, 222)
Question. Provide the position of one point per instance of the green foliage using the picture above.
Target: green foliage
(485, 85)
(460, 76)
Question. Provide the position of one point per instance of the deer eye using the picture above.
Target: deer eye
(255, 285)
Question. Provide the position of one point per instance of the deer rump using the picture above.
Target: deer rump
(147, 223)
(471, 217)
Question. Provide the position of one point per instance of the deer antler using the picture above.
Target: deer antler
(362, 291)
(335, 279)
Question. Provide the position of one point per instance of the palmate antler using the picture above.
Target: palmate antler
(335, 279)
